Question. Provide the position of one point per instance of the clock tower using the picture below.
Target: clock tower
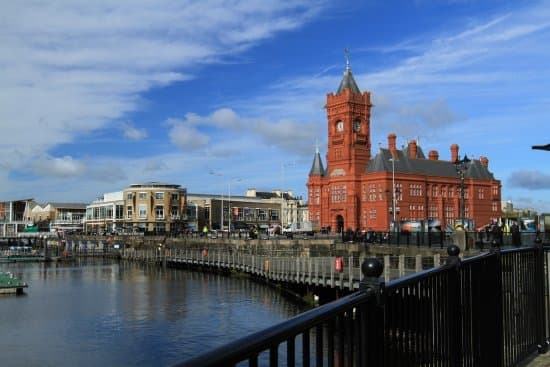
(348, 116)
(335, 192)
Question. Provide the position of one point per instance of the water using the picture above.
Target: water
(103, 313)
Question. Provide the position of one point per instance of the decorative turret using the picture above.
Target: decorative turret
(317, 166)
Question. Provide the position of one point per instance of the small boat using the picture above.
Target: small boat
(11, 285)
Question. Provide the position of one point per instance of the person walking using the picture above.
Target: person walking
(516, 235)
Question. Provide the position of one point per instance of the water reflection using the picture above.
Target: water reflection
(95, 312)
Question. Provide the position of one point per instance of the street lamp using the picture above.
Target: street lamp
(221, 211)
(461, 166)
(283, 200)
(229, 192)
(392, 160)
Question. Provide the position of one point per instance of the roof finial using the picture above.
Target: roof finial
(316, 146)
(346, 51)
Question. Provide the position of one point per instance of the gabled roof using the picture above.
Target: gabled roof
(438, 168)
(419, 152)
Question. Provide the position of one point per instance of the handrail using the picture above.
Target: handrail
(255, 343)
(413, 278)
(465, 316)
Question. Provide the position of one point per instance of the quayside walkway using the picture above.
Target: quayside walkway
(325, 271)
(488, 310)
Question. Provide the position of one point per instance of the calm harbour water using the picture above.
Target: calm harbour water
(105, 313)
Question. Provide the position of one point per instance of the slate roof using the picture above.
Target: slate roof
(348, 82)
(419, 152)
(437, 168)
(266, 195)
(317, 166)
(66, 205)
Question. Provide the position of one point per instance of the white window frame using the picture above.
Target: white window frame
(142, 211)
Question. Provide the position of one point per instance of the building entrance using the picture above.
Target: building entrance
(340, 223)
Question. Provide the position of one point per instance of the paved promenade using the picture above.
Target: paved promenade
(542, 360)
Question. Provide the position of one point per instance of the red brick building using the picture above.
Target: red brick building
(355, 189)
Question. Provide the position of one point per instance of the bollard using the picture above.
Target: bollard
(371, 268)
(453, 251)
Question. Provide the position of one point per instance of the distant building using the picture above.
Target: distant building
(15, 216)
(257, 208)
(106, 214)
(59, 217)
(154, 207)
(359, 191)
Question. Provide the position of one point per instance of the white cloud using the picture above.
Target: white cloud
(297, 137)
(70, 68)
(132, 132)
(185, 136)
(59, 167)
(529, 179)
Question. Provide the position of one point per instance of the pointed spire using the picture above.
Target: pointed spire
(317, 168)
(348, 81)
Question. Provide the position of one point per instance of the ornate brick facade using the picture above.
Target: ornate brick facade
(357, 191)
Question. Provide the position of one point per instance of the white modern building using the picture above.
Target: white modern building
(105, 214)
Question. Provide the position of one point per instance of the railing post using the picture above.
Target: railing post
(454, 292)
(539, 286)
(372, 328)
(495, 245)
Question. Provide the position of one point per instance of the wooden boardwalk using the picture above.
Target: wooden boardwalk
(332, 272)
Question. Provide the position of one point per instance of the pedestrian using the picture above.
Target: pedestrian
(497, 234)
(516, 235)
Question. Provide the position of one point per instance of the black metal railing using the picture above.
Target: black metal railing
(440, 239)
(488, 310)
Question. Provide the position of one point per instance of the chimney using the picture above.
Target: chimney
(391, 142)
(484, 161)
(433, 155)
(454, 153)
(412, 149)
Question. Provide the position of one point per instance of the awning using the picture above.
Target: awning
(30, 229)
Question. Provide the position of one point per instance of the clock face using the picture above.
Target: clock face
(357, 125)
(340, 126)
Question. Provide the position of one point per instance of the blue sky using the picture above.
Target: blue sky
(98, 95)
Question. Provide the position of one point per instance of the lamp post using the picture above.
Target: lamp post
(461, 168)
(283, 201)
(221, 211)
(229, 209)
(392, 160)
